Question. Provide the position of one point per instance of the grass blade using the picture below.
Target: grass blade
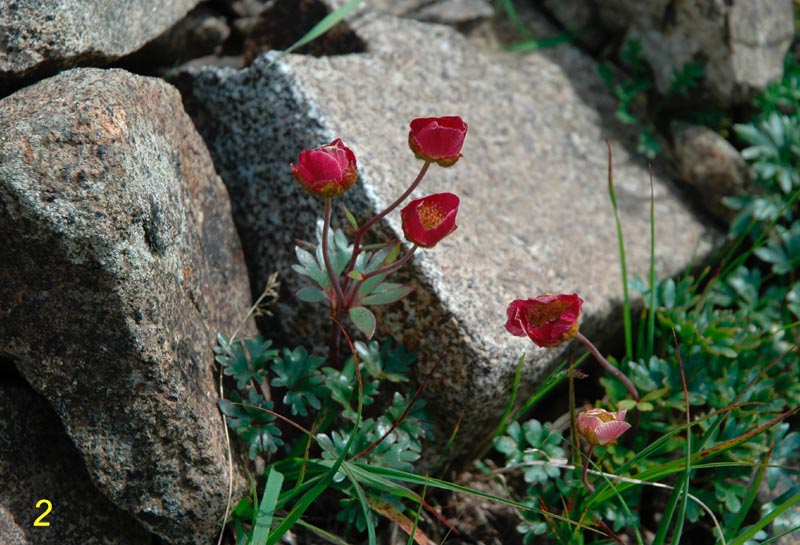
(327, 23)
(504, 420)
(626, 302)
(736, 522)
(651, 315)
(767, 519)
(686, 477)
(266, 509)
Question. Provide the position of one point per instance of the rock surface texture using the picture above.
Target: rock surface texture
(534, 217)
(38, 461)
(740, 43)
(118, 265)
(38, 38)
(711, 165)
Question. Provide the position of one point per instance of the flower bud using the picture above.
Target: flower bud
(437, 139)
(327, 171)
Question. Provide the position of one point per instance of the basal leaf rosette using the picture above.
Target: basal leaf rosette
(437, 139)
(548, 320)
(327, 171)
(428, 220)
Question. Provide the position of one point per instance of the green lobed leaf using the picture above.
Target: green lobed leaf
(299, 372)
(247, 419)
(244, 360)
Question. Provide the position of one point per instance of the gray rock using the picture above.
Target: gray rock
(38, 38)
(741, 44)
(580, 18)
(38, 461)
(535, 215)
(118, 265)
(202, 32)
(711, 165)
(446, 12)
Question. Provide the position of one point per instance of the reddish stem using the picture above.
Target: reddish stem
(369, 448)
(351, 293)
(608, 367)
(589, 486)
(361, 231)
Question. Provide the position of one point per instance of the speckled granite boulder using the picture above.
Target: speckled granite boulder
(38, 461)
(740, 43)
(38, 38)
(118, 265)
(534, 214)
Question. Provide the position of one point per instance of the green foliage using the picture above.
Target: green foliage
(365, 276)
(732, 337)
(312, 265)
(774, 150)
(332, 400)
(244, 360)
(783, 96)
(248, 417)
(532, 445)
(734, 334)
(299, 372)
(638, 102)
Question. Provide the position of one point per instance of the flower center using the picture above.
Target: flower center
(430, 215)
(550, 312)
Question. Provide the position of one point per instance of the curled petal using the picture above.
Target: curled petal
(600, 427)
(609, 432)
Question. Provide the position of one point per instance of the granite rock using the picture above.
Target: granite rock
(118, 265)
(741, 44)
(446, 12)
(39, 38)
(711, 165)
(202, 32)
(38, 461)
(534, 217)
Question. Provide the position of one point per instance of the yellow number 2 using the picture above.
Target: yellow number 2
(48, 508)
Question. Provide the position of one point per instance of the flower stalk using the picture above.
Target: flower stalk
(331, 170)
(619, 375)
(337, 288)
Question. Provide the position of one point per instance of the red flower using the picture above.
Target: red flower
(428, 220)
(601, 427)
(327, 171)
(437, 139)
(548, 320)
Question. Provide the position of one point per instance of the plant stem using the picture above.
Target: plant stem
(589, 486)
(372, 221)
(608, 367)
(351, 293)
(333, 345)
(326, 225)
(338, 305)
(399, 200)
